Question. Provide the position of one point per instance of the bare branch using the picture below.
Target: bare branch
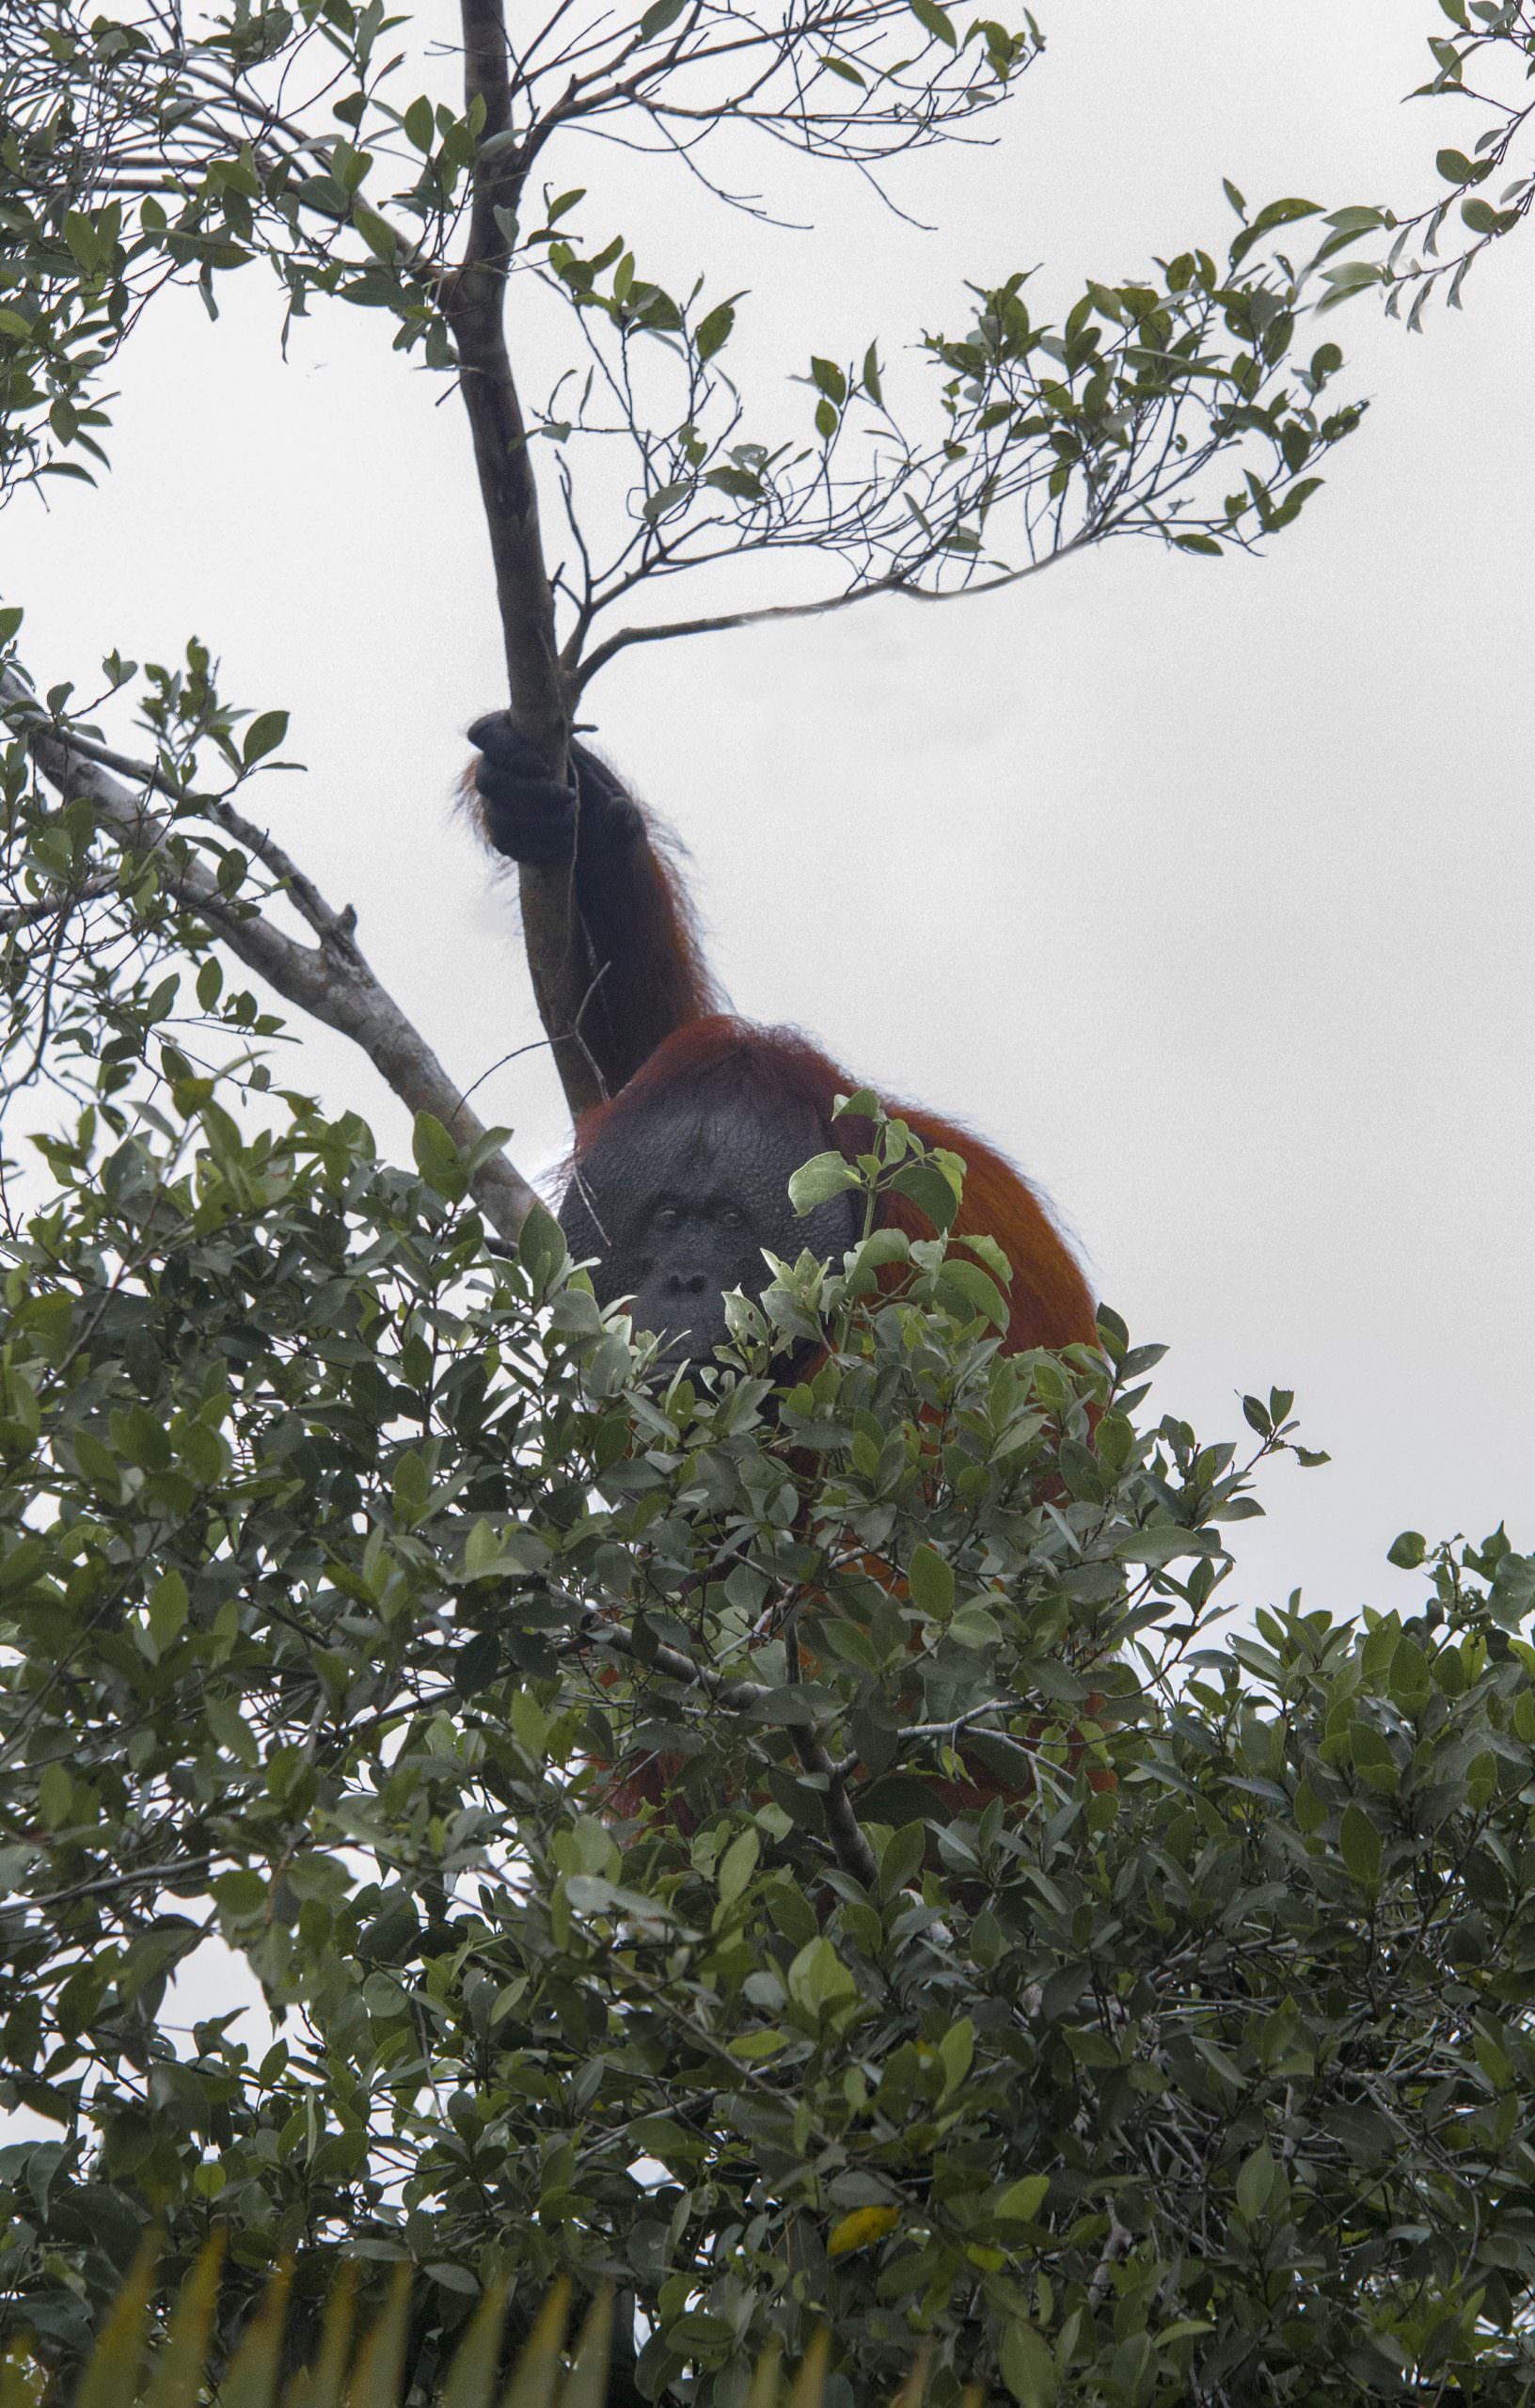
(331, 980)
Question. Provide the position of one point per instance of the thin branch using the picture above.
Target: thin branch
(332, 980)
(156, 1876)
(48, 907)
(897, 581)
(740, 1696)
(258, 841)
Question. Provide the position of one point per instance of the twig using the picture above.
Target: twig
(27, 916)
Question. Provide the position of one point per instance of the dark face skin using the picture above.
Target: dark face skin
(677, 1203)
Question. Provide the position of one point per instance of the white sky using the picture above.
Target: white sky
(1202, 888)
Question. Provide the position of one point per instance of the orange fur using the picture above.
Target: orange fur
(1049, 1300)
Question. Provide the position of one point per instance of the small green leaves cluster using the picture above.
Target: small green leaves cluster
(1482, 61)
(1128, 419)
(291, 135)
(1071, 415)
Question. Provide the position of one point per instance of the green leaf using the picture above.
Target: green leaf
(1274, 214)
(375, 230)
(436, 1156)
(167, 1610)
(819, 1979)
(930, 1579)
(818, 1180)
(1361, 1844)
(56, 1795)
(542, 1250)
(1254, 2183)
(976, 1291)
(737, 1865)
(264, 734)
(738, 483)
(657, 505)
(657, 18)
(934, 20)
(1028, 2366)
(1409, 1679)
(714, 332)
(926, 1186)
(1022, 2201)
(956, 2049)
(1355, 274)
(1163, 1543)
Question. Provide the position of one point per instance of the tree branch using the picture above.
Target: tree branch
(473, 301)
(331, 980)
(897, 581)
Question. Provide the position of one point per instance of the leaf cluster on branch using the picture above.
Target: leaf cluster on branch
(1482, 65)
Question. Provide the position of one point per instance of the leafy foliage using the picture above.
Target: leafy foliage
(339, 1561)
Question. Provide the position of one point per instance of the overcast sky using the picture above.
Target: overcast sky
(1203, 888)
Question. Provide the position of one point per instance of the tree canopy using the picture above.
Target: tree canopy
(1027, 1980)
